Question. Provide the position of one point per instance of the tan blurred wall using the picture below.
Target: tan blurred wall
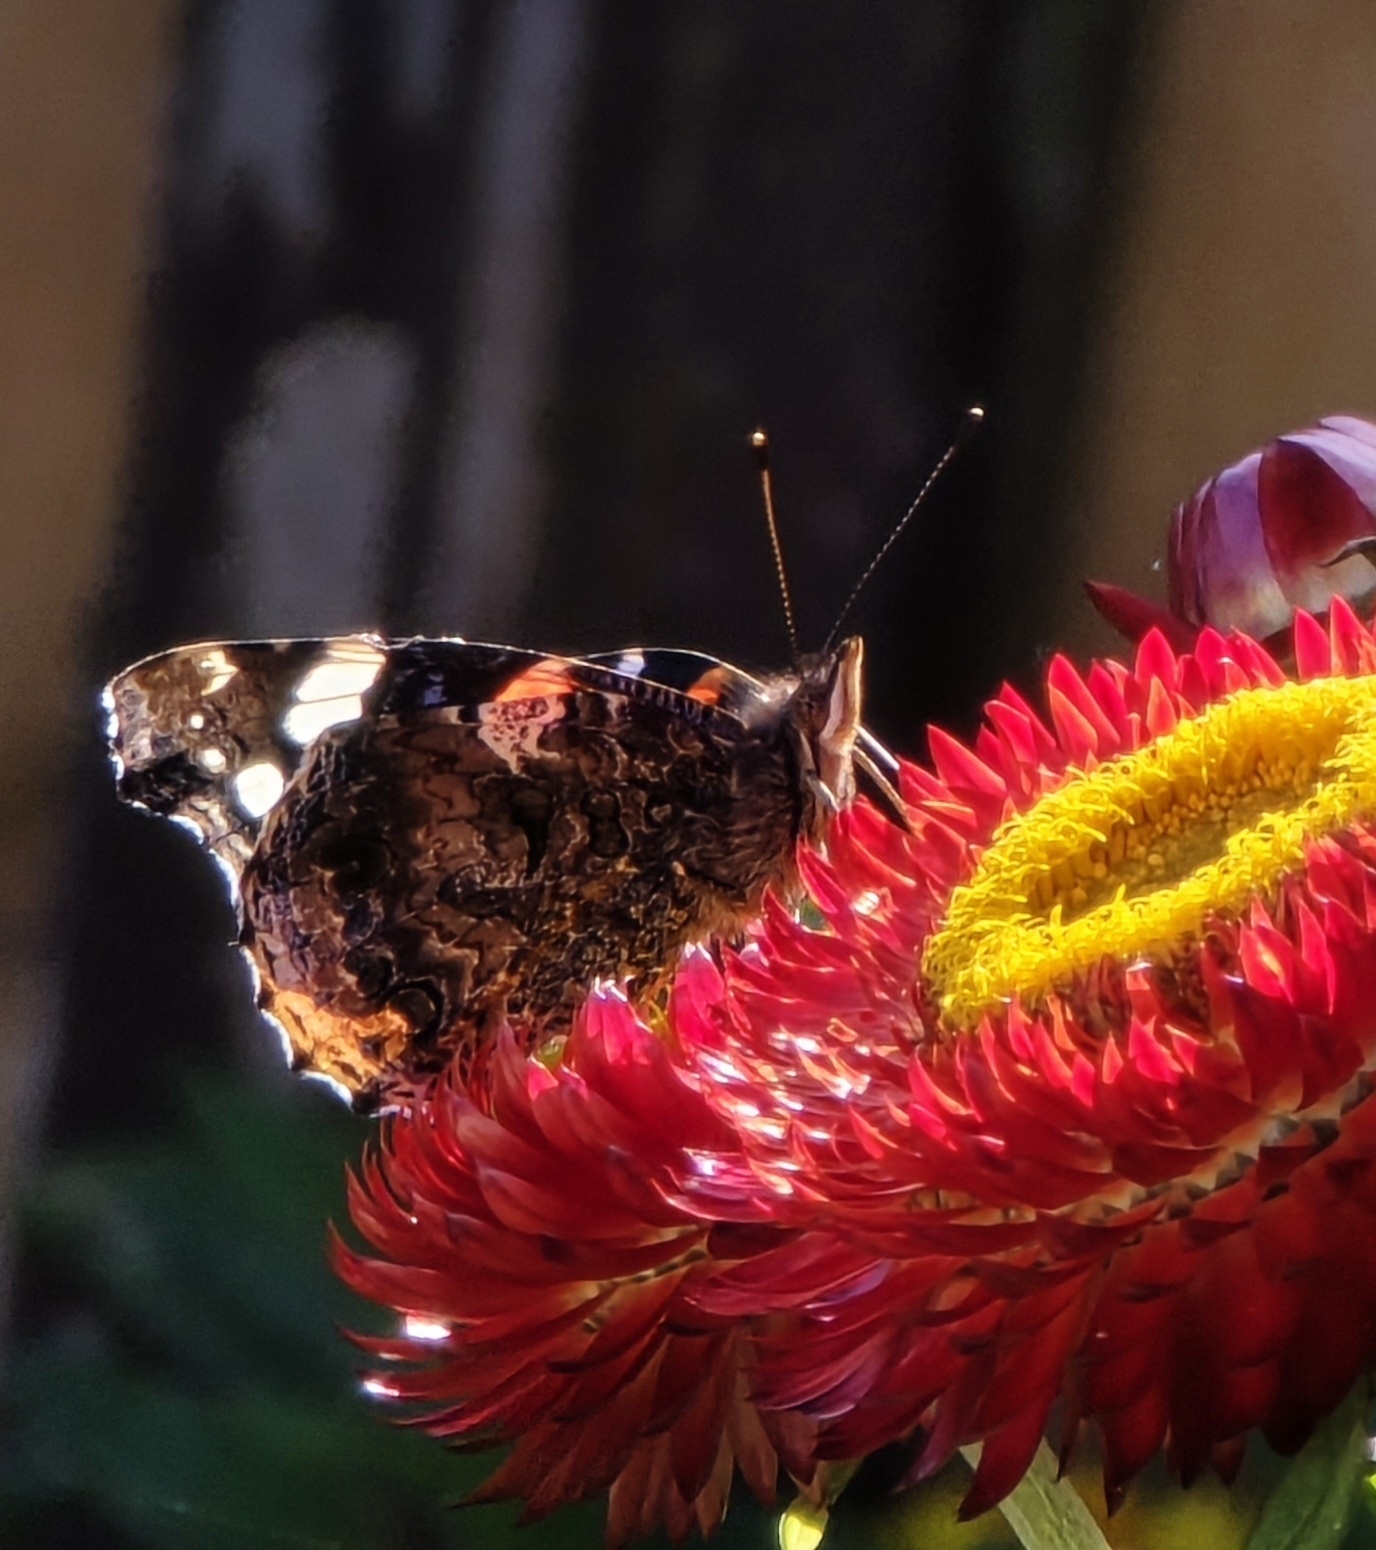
(1243, 298)
(80, 109)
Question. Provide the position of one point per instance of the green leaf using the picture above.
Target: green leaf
(1312, 1506)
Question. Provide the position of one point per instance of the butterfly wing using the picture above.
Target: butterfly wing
(425, 674)
(430, 836)
(210, 735)
(696, 676)
(497, 833)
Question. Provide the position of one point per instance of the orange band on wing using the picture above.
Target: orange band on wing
(542, 681)
(710, 688)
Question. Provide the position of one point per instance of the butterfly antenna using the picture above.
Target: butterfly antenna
(974, 418)
(759, 444)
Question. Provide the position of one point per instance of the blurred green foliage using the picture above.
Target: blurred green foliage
(187, 1384)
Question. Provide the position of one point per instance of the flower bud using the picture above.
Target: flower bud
(1272, 533)
(1288, 527)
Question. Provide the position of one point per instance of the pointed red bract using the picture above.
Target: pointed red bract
(539, 1222)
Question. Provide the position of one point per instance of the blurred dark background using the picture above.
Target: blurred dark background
(453, 316)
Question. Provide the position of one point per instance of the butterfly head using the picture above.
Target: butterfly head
(824, 721)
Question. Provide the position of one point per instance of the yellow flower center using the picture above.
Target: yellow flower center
(1129, 859)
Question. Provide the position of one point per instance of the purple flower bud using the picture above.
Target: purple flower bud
(1283, 529)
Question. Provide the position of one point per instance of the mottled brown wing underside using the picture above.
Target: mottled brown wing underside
(433, 874)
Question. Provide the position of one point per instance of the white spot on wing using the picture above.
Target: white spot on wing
(304, 723)
(331, 693)
(340, 675)
(212, 760)
(257, 788)
(217, 668)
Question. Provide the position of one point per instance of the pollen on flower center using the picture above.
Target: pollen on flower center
(1132, 857)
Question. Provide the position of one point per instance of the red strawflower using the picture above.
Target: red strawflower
(1261, 539)
(1063, 1099)
(546, 1265)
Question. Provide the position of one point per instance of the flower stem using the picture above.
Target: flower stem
(1047, 1513)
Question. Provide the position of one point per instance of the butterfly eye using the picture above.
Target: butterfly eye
(257, 788)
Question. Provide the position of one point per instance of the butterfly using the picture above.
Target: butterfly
(429, 839)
